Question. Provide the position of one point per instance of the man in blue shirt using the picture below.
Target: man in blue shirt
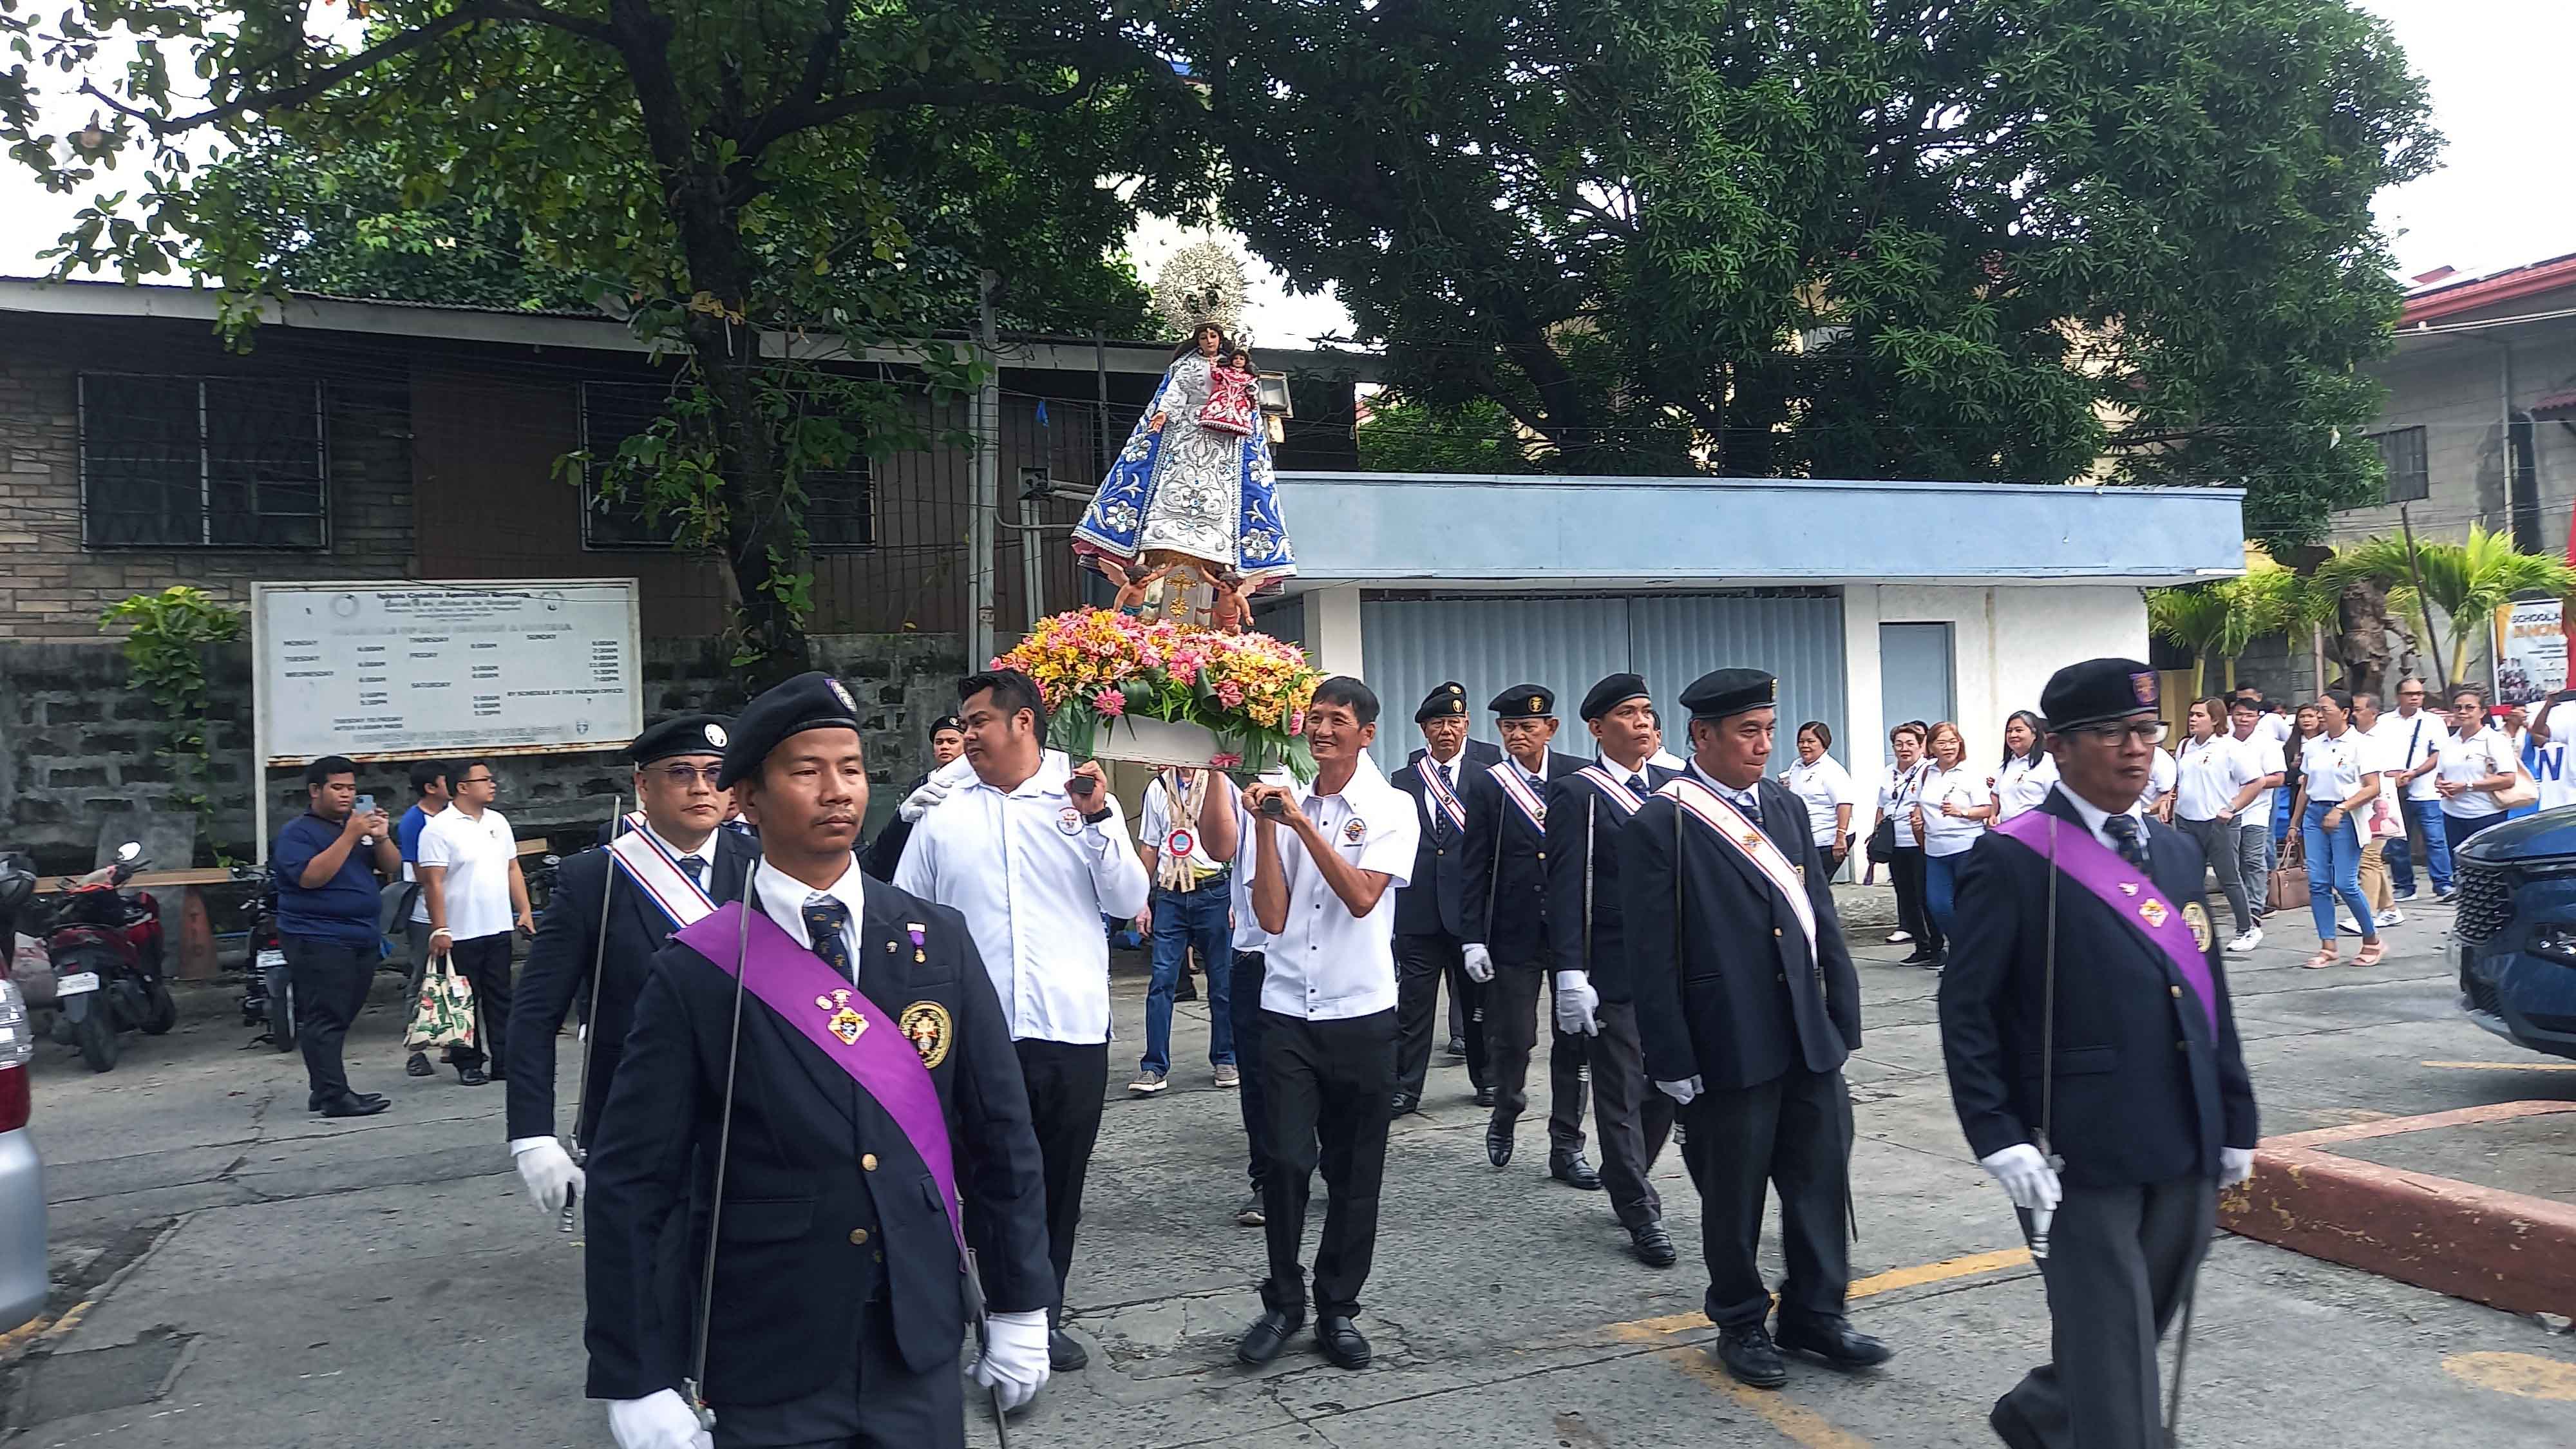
(429, 786)
(329, 864)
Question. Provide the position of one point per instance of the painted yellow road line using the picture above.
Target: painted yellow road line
(1876, 1283)
(23, 1335)
(2503, 1066)
(2520, 1374)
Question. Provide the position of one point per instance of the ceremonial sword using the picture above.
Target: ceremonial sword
(590, 1028)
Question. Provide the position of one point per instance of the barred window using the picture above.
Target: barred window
(202, 462)
(840, 503)
(2409, 479)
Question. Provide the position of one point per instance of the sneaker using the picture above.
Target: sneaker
(2446, 895)
(1227, 1075)
(1146, 1084)
(2343, 923)
(2246, 942)
(1250, 1215)
(2407, 894)
(2390, 917)
(1898, 938)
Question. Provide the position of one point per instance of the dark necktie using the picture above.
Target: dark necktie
(2131, 841)
(696, 866)
(1439, 816)
(1637, 783)
(827, 920)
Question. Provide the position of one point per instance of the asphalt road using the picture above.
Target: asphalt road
(234, 1272)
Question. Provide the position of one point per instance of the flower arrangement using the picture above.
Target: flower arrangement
(1095, 666)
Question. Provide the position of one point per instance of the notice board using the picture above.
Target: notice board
(374, 670)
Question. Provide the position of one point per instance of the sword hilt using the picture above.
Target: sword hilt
(698, 1405)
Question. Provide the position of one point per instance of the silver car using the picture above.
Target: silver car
(22, 1173)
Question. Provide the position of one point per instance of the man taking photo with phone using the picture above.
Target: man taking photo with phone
(1033, 853)
(329, 864)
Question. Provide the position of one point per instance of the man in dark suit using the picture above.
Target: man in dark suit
(947, 742)
(2115, 1165)
(1429, 911)
(1586, 811)
(1747, 1007)
(1505, 930)
(841, 1285)
(675, 764)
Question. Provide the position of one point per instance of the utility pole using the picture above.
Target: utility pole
(985, 500)
(2423, 605)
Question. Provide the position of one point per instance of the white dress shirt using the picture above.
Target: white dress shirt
(1665, 758)
(1033, 879)
(1248, 935)
(783, 898)
(2094, 816)
(1327, 964)
(2160, 778)
(1747, 802)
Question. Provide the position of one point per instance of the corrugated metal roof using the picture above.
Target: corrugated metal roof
(2559, 405)
(2450, 298)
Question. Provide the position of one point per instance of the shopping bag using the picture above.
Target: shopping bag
(2523, 791)
(443, 1016)
(2288, 890)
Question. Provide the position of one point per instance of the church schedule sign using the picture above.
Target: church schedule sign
(445, 668)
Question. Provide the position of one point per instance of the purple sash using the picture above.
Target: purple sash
(883, 1061)
(2129, 892)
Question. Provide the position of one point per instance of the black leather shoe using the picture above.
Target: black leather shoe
(471, 1076)
(417, 1065)
(1484, 1096)
(1750, 1356)
(1575, 1172)
(1498, 1145)
(1268, 1334)
(1340, 1340)
(1653, 1246)
(2011, 1427)
(1833, 1341)
(353, 1105)
(1406, 1102)
(1063, 1354)
(1458, 1048)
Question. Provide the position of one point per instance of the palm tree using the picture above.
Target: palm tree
(2467, 581)
(2194, 616)
(2269, 600)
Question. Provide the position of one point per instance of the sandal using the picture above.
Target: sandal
(2324, 958)
(2370, 954)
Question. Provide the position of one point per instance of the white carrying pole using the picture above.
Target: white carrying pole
(258, 740)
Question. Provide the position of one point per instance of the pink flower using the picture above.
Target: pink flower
(1230, 694)
(1110, 702)
(1226, 760)
(1297, 723)
(1184, 671)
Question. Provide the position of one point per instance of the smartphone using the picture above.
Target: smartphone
(366, 804)
(1274, 807)
(1082, 785)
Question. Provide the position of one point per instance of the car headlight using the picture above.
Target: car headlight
(2558, 943)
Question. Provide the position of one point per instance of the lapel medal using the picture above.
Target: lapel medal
(2196, 916)
(925, 1025)
(2152, 911)
(919, 933)
(845, 1022)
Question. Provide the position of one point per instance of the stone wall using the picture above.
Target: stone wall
(77, 745)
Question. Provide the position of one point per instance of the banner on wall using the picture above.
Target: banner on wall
(2530, 652)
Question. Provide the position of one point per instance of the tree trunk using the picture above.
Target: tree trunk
(2360, 642)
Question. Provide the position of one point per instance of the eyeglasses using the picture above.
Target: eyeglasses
(2145, 731)
(683, 775)
(480, 780)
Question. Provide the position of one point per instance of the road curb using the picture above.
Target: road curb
(2503, 1249)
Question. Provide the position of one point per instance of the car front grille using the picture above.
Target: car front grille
(2481, 992)
(2485, 902)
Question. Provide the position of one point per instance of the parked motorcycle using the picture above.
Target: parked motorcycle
(268, 999)
(106, 946)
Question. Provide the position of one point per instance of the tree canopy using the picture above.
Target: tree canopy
(1847, 237)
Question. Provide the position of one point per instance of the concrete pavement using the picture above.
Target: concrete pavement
(237, 1273)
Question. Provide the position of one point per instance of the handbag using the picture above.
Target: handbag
(443, 1014)
(2523, 791)
(1882, 839)
(2288, 888)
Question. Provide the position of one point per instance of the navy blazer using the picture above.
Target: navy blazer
(827, 1208)
(1726, 988)
(558, 973)
(885, 852)
(1433, 902)
(1506, 877)
(2145, 1091)
(1583, 827)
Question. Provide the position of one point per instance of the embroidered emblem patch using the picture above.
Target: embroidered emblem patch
(716, 736)
(1355, 831)
(1069, 820)
(2152, 911)
(841, 692)
(2143, 686)
(925, 1025)
(2196, 916)
(844, 1020)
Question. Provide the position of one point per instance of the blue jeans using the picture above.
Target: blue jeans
(2425, 822)
(1183, 919)
(2334, 872)
(1941, 890)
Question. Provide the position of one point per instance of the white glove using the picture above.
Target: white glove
(2235, 1164)
(1480, 963)
(918, 803)
(656, 1421)
(1014, 1359)
(2027, 1178)
(1576, 1003)
(1681, 1092)
(547, 1170)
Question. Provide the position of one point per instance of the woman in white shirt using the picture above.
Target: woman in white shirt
(1820, 781)
(1950, 810)
(2215, 777)
(1905, 852)
(2027, 772)
(2338, 778)
(2476, 761)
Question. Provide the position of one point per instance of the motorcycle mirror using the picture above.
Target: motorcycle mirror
(130, 852)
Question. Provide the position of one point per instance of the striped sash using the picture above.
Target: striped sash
(1446, 798)
(658, 875)
(1612, 787)
(1747, 840)
(1508, 775)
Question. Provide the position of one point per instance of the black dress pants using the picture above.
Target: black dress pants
(1511, 1033)
(484, 962)
(1421, 962)
(331, 980)
(1793, 1132)
(1632, 1117)
(1913, 916)
(1067, 1082)
(1244, 1004)
(2121, 1261)
(878, 1403)
(1329, 1086)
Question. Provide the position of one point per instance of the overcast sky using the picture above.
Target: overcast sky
(2498, 68)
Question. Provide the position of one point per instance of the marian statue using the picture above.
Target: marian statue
(1188, 516)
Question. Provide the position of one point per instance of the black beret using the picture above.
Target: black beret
(1722, 692)
(1611, 693)
(1524, 701)
(948, 722)
(1445, 701)
(813, 701)
(681, 734)
(2098, 690)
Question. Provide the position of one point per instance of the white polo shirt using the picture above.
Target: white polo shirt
(2412, 741)
(477, 855)
(1328, 964)
(1033, 879)
(2211, 771)
(2477, 757)
(2021, 784)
